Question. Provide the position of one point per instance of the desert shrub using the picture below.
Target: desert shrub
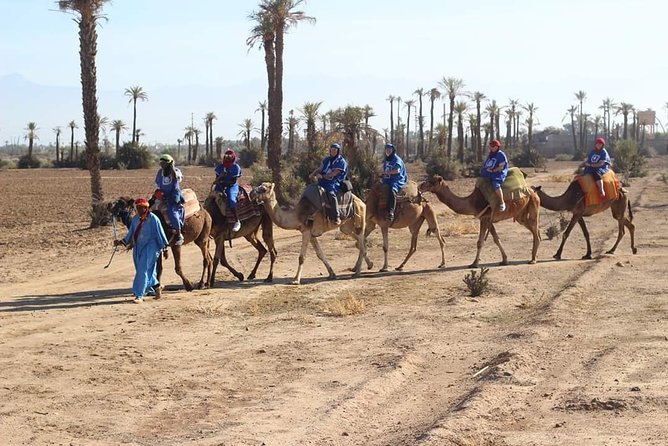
(28, 162)
(247, 158)
(628, 161)
(260, 174)
(663, 177)
(5, 164)
(364, 173)
(476, 283)
(439, 164)
(552, 231)
(531, 159)
(347, 306)
(563, 157)
(207, 161)
(133, 157)
(563, 221)
(305, 165)
(291, 185)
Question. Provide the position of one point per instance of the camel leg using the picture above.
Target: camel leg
(261, 252)
(176, 252)
(323, 258)
(432, 221)
(567, 232)
(359, 233)
(536, 242)
(415, 232)
(206, 263)
(632, 230)
(306, 236)
(585, 233)
(370, 226)
(495, 237)
(268, 237)
(386, 247)
(481, 241)
(217, 242)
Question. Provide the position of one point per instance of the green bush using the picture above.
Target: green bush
(260, 174)
(439, 164)
(477, 284)
(247, 158)
(207, 161)
(531, 159)
(663, 177)
(364, 174)
(628, 161)
(133, 157)
(552, 231)
(28, 162)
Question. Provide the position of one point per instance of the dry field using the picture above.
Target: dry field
(569, 352)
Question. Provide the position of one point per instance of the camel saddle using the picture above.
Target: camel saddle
(514, 187)
(317, 196)
(407, 194)
(611, 186)
(191, 205)
(246, 208)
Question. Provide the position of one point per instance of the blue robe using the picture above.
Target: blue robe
(493, 160)
(330, 164)
(596, 157)
(171, 191)
(226, 180)
(150, 242)
(398, 180)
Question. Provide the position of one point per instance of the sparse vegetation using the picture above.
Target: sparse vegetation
(347, 306)
(563, 221)
(560, 178)
(663, 177)
(628, 161)
(552, 231)
(439, 164)
(477, 284)
(563, 157)
(28, 162)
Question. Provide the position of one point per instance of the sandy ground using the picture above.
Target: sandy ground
(569, 352)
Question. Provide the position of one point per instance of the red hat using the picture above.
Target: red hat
(495, 143)
(600, 141)
(141, 202)
(229, 157)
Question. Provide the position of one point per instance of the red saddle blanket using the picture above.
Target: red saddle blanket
(246, 208)
(190, 206)
(611, 186)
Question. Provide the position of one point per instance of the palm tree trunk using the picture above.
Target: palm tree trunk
(118, 140)
(450, 121)
(71, 145)
(431, 122)
(420, 150)
(392, 121)
(134, 121)
(276, 127)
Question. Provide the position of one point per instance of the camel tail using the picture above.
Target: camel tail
(630, 211)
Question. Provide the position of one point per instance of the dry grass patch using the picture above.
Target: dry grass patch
(347, 306)
(560, 178)
(208, 310)
(459, 227)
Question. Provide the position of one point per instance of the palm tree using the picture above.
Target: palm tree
(460, 108)
(581, 96)
(310, 113)
(245, 133)
(196, 132)
(607, 106)
(87, 13)
(433, 95)
(369, 133)
(73, 125)
(624, 109)
(58, 130)
(138, 133)
(420, 150)
(577, 155)
(188, 136)
(179, 141)
(391, 99)
(135, 93)
(209, 118)
(263, 135)
(272, 20)
(118, 126)
(292, 123)
(597, 124)
(408, 105)
(453, 87)
(399, 134)
(349, 121)
(492, 111)
(531, 109)
(478, 97)
(31, 135)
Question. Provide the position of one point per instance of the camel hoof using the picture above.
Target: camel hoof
(635, 250)
(269, 279)
(586, 257)
(240, 277)
(356, 274)
(503, 263)
(473, 265)
(610, 252)
(382, 270)
(332, 277)
(399, 268)
(370, 265)
(295, 282)
(532, 262)
(251, 277)
(441, 266)
(557, 257)
(188, 287)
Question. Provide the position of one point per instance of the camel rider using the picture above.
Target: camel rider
(168, 184)
(496, 169)
(147, 239)
(597, 164)
(227, 173)
(394, 175)
(330, 175)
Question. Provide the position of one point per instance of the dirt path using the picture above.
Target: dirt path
(569, 352)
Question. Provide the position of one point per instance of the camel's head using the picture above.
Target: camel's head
(536, 188)
(432, 184)
(122, 209)
(263, 192)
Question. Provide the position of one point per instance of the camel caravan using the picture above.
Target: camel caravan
(232, 211)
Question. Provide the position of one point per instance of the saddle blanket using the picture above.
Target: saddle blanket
(611, 186)
(246, 208)
(514, 187)
(408, 193)
(317, 196)
(191, 205)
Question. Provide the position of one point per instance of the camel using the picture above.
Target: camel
(311, 229)
(524, 210)
(572, 200)
(196, 228)
(221, 231)
(410, 214)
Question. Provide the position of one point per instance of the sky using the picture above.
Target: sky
(191, 58)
